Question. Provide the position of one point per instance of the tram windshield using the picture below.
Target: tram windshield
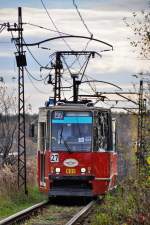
(71, 131)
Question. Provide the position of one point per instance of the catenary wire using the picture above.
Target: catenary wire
(86, 46)
(37, 89)
(57, 28)
(51, 19)
(33, 77)
(75, 5)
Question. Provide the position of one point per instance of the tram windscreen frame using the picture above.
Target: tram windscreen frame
(71, 131)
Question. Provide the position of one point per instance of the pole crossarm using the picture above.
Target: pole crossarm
(69, 36)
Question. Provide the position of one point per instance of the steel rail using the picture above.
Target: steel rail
(81, 213)
(22, 214)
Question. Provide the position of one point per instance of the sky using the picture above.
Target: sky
(104, 19)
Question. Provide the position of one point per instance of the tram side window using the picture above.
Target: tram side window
(42, 136)
(103, 131)
(114, 136)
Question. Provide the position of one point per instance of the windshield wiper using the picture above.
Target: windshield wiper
(61, 132)
(67, 146)
(65, 142)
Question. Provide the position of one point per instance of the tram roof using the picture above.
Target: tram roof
(71, 106)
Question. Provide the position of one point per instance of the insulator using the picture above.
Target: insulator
(49, 79)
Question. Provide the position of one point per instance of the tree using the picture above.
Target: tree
(8, 122)
(140, 26)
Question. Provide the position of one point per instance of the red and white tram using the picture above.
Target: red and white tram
(76, 150)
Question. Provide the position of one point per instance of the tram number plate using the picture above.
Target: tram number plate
(54, 157)
(70, 171)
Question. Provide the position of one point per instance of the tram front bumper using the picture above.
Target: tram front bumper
(71, 186)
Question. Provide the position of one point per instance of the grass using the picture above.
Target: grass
(12, 201)
(130, 204)
(18, 201)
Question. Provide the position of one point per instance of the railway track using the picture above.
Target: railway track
(24, 214)
(78, 218)
(28, 213)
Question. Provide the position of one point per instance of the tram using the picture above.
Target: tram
(76, 150)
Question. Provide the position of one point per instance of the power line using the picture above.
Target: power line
(91, 34)
(32, 54)
(75, 5)
(27, 49)
(2, 28)
(90, 85)
(33, 77)
(37, 89)
(44, 28)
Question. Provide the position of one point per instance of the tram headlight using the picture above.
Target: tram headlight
(57, 170)
(83, 170)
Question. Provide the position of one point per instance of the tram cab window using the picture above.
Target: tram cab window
(71, 131)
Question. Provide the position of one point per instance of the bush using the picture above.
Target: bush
(8, 180)
(129, 205)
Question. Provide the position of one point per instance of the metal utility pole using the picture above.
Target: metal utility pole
(22, 180)
(21, 63)
(141, 127)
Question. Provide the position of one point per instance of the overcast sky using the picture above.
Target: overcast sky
(104, 19)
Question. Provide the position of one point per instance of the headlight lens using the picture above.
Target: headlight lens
(57, 170)
(83, 170)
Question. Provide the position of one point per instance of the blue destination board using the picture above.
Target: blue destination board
(74, 119)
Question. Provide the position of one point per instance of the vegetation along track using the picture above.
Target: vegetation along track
(53, 213)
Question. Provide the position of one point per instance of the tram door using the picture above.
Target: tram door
(41, 150)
